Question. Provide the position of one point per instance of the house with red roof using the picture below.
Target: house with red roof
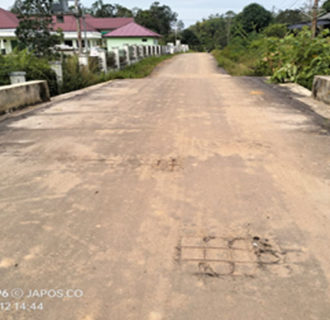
(8, 25)
(109, 32)
(131, 34)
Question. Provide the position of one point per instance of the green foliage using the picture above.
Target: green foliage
(102, 10)
(157, 18)
(123, 57)
(138, 70)
(276, 30)
(210, 33)
(76, 77)
(235, 68)
(35, 26)
(189, 37)
(298, 58)
(289, 17)
(294, 58)
(35, 68)
(111, 60)
(326, 6)
(254, 17)
(94, 64)
(218, 31)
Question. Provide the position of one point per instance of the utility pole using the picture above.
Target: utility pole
(76, 4)
(315, 14)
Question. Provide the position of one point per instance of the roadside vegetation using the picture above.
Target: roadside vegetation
(36, 68)
(257, 42)
(74, 76)
(293, 58)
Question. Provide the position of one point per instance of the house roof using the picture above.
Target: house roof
(321, 21)
(7, 20)
(325, 17)
(70, 24)
(107, 23)
(132, 30)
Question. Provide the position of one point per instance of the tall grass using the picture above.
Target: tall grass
(76, 77)
(293, 58)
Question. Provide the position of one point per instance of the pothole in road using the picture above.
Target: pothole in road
(168, 165)
(217, 257)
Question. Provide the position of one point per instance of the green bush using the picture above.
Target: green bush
(111, 60)
(36, 68)
(140, 69)
(77, 77)
(293, 58)
(74, 76)
(297, 58)
(277, 30)
(233, 67)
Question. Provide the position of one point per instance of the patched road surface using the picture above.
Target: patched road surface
(188, 195)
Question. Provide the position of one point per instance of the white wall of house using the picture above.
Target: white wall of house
(71, 38)
(121, 42)
(6, 38)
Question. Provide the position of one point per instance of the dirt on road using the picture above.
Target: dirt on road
(188, 195)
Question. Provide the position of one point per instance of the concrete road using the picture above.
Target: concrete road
(185, 196)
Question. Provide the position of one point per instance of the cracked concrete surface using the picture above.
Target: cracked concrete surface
(145, 193)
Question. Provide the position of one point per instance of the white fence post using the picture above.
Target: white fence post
(126, 48)
(56, 66)
(136, 56)
(140, 48)
(115, 50)
(83, 59)
(103, 57)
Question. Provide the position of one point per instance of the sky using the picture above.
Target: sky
(191, 11)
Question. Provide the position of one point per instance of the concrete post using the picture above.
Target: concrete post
(2, 47)
(103, 57)
(115, 50)
(126, 48)
(17, 77)
(83, 60)
(141, 52)
(56, 66)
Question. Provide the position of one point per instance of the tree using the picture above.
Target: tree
(326, 6)
(277, 30)
(121, 11)
(254, 17)
(190, 38)
(229, 16)
(289, 17)
(157, 18)
(35, 30)
(101, 10)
